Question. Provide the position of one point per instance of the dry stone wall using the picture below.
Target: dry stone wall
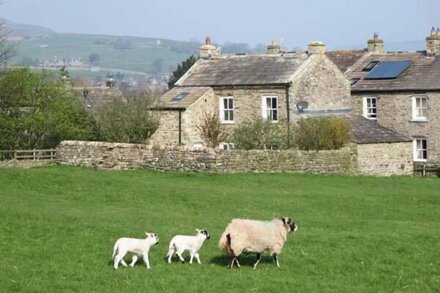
(132, 156)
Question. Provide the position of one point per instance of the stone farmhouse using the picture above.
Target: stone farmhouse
(276, 86)
(398, 90)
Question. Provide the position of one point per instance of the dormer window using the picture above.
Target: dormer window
(370, 66)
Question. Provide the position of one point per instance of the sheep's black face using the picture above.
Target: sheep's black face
(291, 226)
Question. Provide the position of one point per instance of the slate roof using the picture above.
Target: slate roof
(189, 95)
(344, 59)
(423, 74)
(365, 131)
(243, 70)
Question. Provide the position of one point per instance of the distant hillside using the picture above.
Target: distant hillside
(95, 56)
(23, 30)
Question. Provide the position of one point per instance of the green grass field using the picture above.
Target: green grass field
(356, 234)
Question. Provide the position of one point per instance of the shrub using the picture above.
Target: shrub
(321, 133)
(260, 134)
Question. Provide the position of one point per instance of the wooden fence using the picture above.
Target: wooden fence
(427, 169)
(33, 155)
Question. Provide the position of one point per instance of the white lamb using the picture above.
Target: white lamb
(250, 236)
(181, 243)
(137, 247)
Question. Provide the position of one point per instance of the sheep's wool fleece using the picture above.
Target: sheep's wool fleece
(254, 236)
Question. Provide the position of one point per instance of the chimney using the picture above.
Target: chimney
(433, 42)
(273, 49)
(316, 47)
(375, 45)
(208, 50)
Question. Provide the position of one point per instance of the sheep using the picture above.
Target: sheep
(251, 236)
(137, 247)
(181, 243)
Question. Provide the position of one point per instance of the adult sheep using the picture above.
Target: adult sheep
(251, 236)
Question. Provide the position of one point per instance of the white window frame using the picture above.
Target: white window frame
(367, 108)
(268, 111)
(419, 113)
(226, 112)
(226, 146)
(420, 152)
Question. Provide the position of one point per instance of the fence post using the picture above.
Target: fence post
(423, 170)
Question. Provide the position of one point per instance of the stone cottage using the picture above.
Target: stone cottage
(398, 90)
(276, 86)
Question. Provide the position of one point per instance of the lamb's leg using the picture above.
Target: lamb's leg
(275, 257)
(179, 255)
(123, 263)
(234, 259)
(118, 258)
(258, 260)
(147, 262)
(198, 257)
(134, 260)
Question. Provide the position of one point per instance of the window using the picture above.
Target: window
(370, 66)
(420, 146)
(227, 146)
(270, 108)
(419, 108)
(370, 107)
(226, 109)
(354, 81)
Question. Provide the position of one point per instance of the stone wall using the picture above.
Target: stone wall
(385, 159)
(132, 156)
(394, 111)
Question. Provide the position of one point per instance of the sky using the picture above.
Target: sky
(293, 23)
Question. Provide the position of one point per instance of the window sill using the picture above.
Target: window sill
(227, 122)
(420, 160)
(419, 120)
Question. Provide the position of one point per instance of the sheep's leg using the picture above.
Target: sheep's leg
(191, 258)
(258, 260)
(134, 260)
(275, 257)
(198, 257)
(147, 262)
(234, 259)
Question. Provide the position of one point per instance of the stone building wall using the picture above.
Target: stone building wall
(385, 159)
(372, 159)
(394, 111)
(322, 85)
(168, 131)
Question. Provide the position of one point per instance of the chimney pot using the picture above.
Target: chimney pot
(208, 41)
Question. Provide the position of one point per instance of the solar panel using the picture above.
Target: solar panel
(388, 69)
(180, 96)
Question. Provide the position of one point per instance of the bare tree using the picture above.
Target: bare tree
(211, 131)
(6, 49)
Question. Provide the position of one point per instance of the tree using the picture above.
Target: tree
(210, 130)
(128, 119)
(94, 58)
(182, 68)
(37, 112)
(6, 49)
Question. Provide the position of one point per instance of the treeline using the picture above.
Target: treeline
(40, 109)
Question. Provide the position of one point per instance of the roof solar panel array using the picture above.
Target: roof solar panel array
(389, 69)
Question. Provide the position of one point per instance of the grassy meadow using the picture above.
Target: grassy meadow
(356, 234)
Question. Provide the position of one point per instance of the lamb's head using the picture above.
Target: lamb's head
(203, 232)
(152, 238)
(289, 224)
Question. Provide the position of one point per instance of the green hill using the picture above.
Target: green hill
(91, 55)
